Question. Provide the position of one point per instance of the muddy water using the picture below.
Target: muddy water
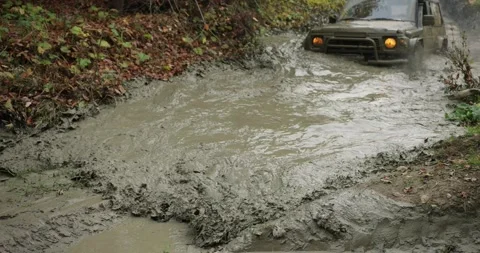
(137, 235)
(270, 135)
(240, 152)
(273, 130)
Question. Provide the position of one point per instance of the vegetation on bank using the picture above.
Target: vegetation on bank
(463, 85)
(58, 56)
(446, 178)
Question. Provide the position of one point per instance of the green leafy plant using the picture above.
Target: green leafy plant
(103, 43)
(142, 57)
(127, 44)
(43, 47)
(78, 31)
(83, 62)
(28, 15)
(466, 114)
(198, 51)
(148, 36)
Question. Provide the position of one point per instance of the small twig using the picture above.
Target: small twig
(176, 5)
(201, 13)
(171, 6)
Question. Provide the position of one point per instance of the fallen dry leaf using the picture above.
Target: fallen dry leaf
(459, 161)
(397, 194)
(386, 180)
(424, 199)
(408, 190)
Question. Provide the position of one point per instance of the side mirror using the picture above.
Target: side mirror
(428, 20)
(332, 19)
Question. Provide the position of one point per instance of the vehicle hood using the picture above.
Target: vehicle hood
(365, 26)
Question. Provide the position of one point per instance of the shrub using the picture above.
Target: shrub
(466, 114)
(460, 76)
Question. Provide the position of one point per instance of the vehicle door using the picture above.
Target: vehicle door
(428, 41)
(438, 29)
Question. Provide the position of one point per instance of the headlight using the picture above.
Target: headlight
(317, 41)
(390, 43)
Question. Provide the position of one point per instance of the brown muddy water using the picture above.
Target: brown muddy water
(258, 158)
(138, 235)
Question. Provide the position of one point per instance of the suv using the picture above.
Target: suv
(383, 31)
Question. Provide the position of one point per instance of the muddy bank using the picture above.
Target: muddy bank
(446, 176)
(420, 200)
(41, 210)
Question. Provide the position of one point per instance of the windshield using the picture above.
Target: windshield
(403, 10)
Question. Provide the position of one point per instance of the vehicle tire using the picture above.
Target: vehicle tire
(306, 44)
(444, 48)
(415, 59)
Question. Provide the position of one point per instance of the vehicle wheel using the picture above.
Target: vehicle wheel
(444, 48)
(306, 44)
(415, 59)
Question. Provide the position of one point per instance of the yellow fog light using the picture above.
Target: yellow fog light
(317, 41)
(390, 43)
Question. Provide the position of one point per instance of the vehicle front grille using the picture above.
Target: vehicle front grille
(377, 43)
(350, 35)
(352, 45)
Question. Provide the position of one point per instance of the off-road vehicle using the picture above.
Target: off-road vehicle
(383, 31)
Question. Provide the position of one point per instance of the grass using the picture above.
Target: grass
(473, 130)
(474, 160)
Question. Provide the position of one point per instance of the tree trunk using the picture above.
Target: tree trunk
(117, 4)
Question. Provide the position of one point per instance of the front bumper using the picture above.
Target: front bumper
(371, 47)
(387, 62)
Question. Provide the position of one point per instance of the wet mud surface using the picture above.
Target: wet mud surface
(258, 157)
(446, 177)
(40, 210)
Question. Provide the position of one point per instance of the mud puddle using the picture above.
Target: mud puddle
(244, 155)
(139, 235)
(39, 210)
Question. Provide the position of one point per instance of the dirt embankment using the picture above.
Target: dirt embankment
(446, 177)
